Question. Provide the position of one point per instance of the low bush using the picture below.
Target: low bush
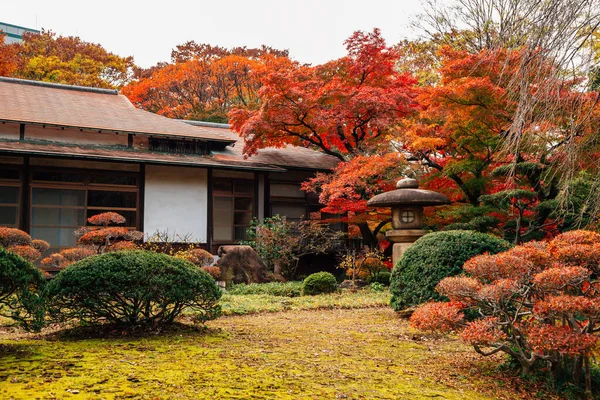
(376, 287)
(132, 288)
(434, 257)
(21, 287)
(320, 282)
(382, 277)
(281, 289)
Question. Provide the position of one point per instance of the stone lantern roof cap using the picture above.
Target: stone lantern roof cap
(408, 194)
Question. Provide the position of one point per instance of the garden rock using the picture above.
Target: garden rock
(359, 283)
(241, 264)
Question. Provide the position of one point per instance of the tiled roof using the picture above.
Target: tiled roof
(288, 157)
(127, 155)
(51, 104)
(98, 109)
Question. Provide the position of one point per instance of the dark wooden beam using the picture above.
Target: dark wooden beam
(25, 206)
(141, 197)
(256, 193)
(21, 131)
(267, 194)
(209, 211)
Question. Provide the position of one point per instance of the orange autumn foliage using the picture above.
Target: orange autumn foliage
(27, 252)
(531, 302)
(204, 82)
(19, 242)
(337, 108)
(106, 219)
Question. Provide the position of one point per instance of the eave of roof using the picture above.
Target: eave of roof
(122, 154)
(289, 157)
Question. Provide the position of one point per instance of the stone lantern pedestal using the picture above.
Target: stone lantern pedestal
(407, 203)
(402, 239)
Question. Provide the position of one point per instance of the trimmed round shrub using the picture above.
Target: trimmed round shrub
(132, 288)
(21, 286)
(320, 282)
(382, 277)
(434, 257)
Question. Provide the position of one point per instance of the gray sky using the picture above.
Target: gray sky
(312, 30)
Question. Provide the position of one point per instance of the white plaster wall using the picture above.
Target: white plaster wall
(74, 136)
(9, 131)
(176, 200)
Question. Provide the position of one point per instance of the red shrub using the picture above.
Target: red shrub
(13, 237)
(534, 302)
(459, 287)
(482, 332)
(100, 236)
(107, 218)
(558, 278)
(215, 272)
(437, 317)
(500, 291)
(40, 245)
(573, 306)
(199, 257)
(76, 253)
(54, 261)
(490, 268)
(27, 252)
(574, 237)
(546, 339)
(120, 246)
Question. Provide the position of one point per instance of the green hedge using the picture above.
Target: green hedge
(320, 282)
(434, 257)
(132, 288)
(21, 291)
(281, 289)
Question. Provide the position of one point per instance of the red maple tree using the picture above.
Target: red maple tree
(346, 108)
(342, 107)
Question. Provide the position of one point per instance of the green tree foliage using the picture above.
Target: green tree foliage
(67, 59)
(21, 291)
(132, 288)
(434, 257)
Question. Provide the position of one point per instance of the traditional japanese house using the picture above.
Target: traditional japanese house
(69, 152)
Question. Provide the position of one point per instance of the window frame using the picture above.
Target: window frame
(289, 200)
(85, 186)
(18, 183)
(233, 194)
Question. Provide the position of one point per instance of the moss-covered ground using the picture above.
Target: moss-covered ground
(302, 354)
(259, 303)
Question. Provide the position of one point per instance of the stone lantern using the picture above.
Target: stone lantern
(407, 203)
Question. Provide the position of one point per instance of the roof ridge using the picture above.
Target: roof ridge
(58, 86)
(204, 123)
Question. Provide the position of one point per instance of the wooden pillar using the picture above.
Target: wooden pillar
(209, 211)
(141, 197)
(25, 206)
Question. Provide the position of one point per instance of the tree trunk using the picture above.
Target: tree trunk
(588, 377)
(369, 239)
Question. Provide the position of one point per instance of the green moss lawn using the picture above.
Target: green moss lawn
(310, 351)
